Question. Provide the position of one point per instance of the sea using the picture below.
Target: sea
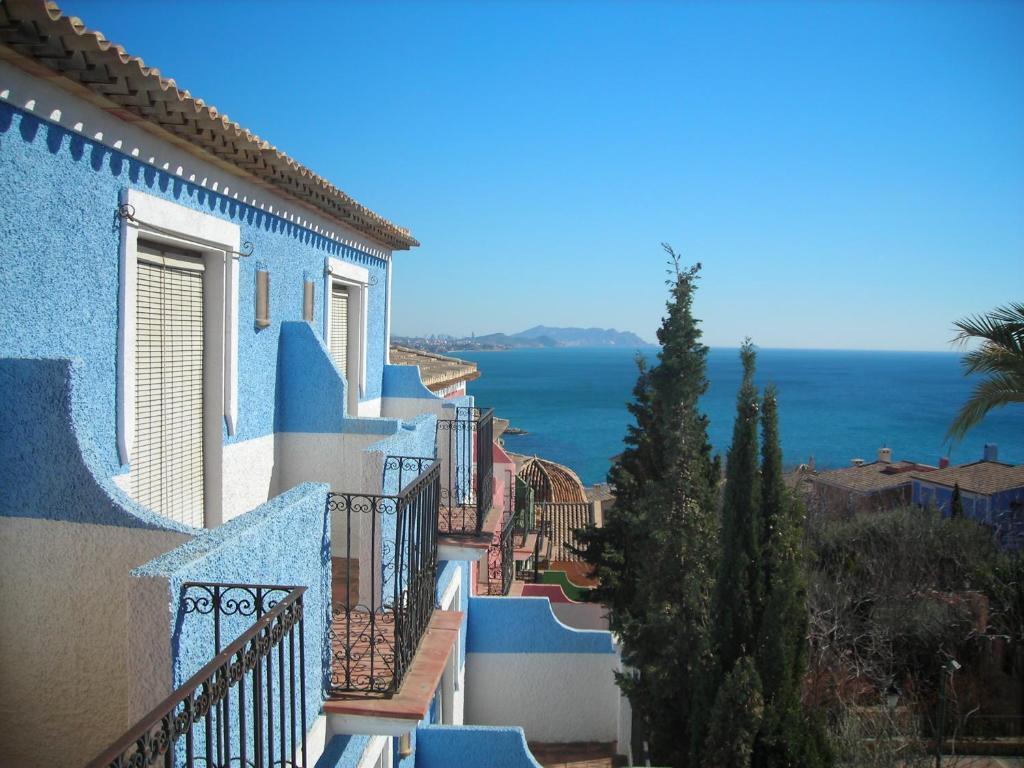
(834, 405)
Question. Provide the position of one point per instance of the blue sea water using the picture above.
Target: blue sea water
(834, 405)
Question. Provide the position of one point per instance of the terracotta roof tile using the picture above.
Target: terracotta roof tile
(565, 519)
(436, 371)
(984, 477)
(550, 481)
(40, 35)
(874, 476)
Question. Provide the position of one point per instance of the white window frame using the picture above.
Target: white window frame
(218, 241)
(357, 280)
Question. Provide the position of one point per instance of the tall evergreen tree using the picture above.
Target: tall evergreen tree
(786, 737)
(655, 552)
(738, 588)
(956, 503)
(735, 718)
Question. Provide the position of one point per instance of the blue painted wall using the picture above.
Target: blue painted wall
(993, 509)
(496, 626)
(48, 460)
(469, 746)
(404, 381)
(284, 542)
(59, 270)
(343, 752)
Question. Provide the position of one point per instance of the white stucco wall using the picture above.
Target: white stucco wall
(410, 407)
(338, 459)
(248, 469)
(64, 596)
(553, 697)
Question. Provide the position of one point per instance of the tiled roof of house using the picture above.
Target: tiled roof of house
(436, 371)
(550, 481)
(45, 42)
(984, 477)
(872, 477)
(565, 519)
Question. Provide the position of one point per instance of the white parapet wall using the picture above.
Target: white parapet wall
(525, 668)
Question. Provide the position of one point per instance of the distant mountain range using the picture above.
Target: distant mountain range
(538, 336)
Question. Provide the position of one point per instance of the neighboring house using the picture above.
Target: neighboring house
(991, 491)
(444, 376)
(563, 508)
(228, 525)
(872, 487)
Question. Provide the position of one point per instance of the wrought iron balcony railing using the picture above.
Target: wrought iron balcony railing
(383, 591)
(247, 706)
(464, 447)
(501, 559)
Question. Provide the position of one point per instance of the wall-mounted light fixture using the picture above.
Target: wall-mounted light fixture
(262, 296)
(307, 299)
(404, 745)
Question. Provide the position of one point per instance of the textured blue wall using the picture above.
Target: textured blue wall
(59, 245)
(284, 542)
(404, 381)
(48, 460)
(469, 746)
(496, 626)
(343, 752)
(311, 393)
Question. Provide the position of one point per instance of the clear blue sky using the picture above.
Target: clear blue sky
(850, 174)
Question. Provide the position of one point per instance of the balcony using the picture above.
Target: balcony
(383, 580)
(247, 705)
(464, 447)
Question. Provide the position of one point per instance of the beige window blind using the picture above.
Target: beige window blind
(167, 459)
(339, 328)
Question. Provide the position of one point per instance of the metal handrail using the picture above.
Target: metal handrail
(392, 538)
(204, 697)
(464, 445)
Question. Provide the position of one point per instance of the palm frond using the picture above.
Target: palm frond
(1002, 327)
(994, 392)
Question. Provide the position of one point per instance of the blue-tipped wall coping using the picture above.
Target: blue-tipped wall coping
(472, 746)
(496, 626)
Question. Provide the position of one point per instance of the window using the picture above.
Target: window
(167, 461)
(177, 356)
(339, 327)
(345, 299)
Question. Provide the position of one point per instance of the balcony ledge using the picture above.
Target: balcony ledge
(471, 547)
(358, 713)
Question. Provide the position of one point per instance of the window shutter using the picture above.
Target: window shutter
(167, 461)
(339, 328)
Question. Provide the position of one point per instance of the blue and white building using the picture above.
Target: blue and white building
(991, 492)
(230, 531)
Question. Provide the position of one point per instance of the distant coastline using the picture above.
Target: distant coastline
(538, 337)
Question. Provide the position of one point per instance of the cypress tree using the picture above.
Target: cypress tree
(956, 503)
(654, 554)
(737, 597)
(786, 737)
(735, 718)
